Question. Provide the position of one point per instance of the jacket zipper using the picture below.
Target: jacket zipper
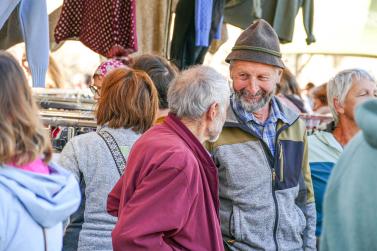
(277, 143)
(272, 161)
(276, 208)
(281, 160)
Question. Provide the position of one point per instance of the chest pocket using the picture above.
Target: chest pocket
(289, 163)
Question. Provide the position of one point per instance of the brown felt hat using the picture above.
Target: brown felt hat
(258, 43)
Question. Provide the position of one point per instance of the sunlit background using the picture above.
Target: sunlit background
(345, 32)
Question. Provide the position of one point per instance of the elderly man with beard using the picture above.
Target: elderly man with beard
(265, 186)
(168, 197)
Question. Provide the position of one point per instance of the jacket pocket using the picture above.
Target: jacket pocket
(302, 220)
(290, 163)
(235, 224)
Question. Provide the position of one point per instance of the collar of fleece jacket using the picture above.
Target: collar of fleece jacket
(289, 116)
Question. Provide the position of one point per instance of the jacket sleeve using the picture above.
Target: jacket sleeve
(307, 15)
(4, 229)
(34, 25)
(158, 209)
(68, 159)
(309, 207)
(113, 199)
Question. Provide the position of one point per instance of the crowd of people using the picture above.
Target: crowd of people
(186, 161)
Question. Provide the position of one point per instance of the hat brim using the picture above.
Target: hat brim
(255, 56)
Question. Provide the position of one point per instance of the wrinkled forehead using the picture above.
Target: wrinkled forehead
(363, 83)
(252, 67)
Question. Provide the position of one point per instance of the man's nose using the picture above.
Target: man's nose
(253, 87)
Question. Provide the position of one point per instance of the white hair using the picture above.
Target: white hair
(194, 90)
(339, 86)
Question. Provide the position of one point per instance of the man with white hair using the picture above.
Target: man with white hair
(266, 193)
(168, 197)
(344, 92)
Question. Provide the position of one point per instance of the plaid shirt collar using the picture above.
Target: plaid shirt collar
(247, 117)
(267, 130)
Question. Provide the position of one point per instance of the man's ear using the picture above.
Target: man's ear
(212, 111)
(338, 106)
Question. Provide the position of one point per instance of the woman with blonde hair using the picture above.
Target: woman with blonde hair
(36, 195)
(127, 107)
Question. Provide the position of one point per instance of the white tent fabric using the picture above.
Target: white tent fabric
(343, 27)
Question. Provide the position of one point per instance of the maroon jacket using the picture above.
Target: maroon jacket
(168, 197)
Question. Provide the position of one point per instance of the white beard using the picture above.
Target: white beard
(250, 106)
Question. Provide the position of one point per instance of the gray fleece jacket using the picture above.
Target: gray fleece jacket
(89, 158)
(266, 202)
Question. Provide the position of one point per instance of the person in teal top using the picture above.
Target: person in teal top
(347, 89)
(324, 152)
(350, 203)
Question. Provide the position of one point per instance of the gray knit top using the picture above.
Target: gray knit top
(89, 158)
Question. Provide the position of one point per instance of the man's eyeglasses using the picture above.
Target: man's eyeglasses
(94, 90)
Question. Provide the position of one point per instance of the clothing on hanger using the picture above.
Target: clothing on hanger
(152, 25)
(280, 14)
(106, 27)
(32, 17)
(184, 51)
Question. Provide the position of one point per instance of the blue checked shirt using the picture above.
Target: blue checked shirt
(267, 130)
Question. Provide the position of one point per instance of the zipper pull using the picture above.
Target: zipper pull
(273, 176)
(281, 160)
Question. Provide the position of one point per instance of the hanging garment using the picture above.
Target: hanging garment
(216, 43)
(11, 33)
(152, 25)
(53, 19)
(184, 52)
(280, 14)
(217, 20)
(31, 16)
(106, 27)
(203, 18)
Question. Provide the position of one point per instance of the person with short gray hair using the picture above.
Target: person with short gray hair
(345, 91)
(193, 92)
(339, 87)
(168, 197)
